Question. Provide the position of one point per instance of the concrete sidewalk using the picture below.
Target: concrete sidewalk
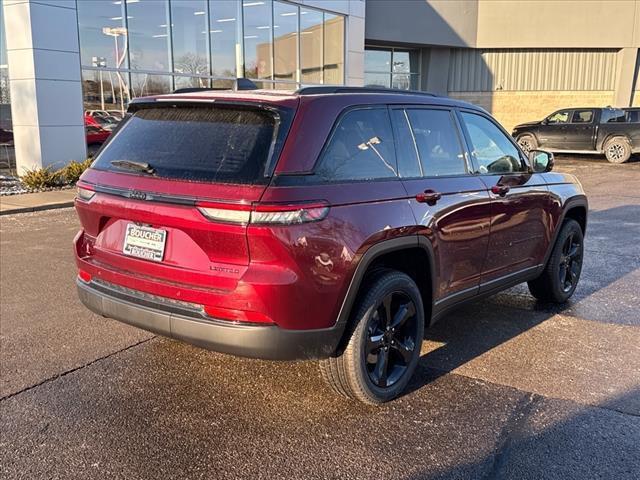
(33, 202)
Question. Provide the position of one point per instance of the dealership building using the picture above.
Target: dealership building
(520, 60)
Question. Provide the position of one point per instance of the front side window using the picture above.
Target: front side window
(491, 149)
(559, 117)
(360, 148)
(437, 142)
(582, 116)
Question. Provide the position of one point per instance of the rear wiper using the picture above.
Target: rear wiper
(136, 166)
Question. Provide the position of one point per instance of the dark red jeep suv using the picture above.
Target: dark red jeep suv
(331, 223)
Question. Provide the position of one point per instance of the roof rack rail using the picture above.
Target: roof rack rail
(318, 90)
(238, 84)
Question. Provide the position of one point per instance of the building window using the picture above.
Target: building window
(190, 31)
(130, 48)
(103, 34)
(392, 68)
(311, 52)
(257, 39)
(285, 41)
(225, 30)
(148, 33)
(7, 150)
(333, 60)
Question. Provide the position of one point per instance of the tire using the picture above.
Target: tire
(380, 357)
(617, 150)
(561, 274)
(527, 142)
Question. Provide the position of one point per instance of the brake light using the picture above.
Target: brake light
(84, 276)
(236, 315)
(265, 214)
(289, 214)
(85, 193)
(226, 213)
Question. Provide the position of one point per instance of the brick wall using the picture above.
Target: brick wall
(511, 108)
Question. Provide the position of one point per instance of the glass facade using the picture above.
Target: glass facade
(7, 150)
(392, 68)
(130, 48)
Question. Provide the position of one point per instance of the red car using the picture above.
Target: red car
(332, 223)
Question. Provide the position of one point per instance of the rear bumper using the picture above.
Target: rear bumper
(256, 341)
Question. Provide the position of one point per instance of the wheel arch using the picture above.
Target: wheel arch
(610, 136)
(576, 208)
(531, 133)
(392, 253)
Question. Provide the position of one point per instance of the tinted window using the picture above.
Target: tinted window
(409, 165)
(582, 116)
(437, 142)
(559, 117)
(492, 150)
(633, 116)
(361, 148)
(226, 145)
(612, 115)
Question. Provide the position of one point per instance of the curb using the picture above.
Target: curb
(37, 208)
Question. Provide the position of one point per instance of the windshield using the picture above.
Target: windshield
(198, 143)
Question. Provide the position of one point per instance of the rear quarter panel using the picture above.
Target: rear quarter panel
(323, 256)
(628, 130)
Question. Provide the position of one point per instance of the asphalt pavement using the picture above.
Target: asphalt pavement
(506, 387)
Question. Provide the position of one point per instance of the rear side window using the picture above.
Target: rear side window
(437, 142)
(360, 148)
(633, 116)
(225, 145)
(582, 116)
(612, 115)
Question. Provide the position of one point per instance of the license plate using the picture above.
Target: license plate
(144, 242)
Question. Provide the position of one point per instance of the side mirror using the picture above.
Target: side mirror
(541, 161)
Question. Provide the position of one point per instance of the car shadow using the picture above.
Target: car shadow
(558, 439)
(472, 330)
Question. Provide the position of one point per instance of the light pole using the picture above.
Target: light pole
(100, 62)
(115, 32)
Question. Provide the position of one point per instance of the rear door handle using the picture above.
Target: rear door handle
(500, 190)
(430, 197)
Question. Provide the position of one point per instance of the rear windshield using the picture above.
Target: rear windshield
(207, 144)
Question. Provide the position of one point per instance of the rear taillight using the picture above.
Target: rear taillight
(226, 213)
(85, 193)
(265, 214)
(289, 214)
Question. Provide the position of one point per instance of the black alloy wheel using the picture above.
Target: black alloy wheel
(561, 274)
(391, 339)
(382, 344)
(570, 263)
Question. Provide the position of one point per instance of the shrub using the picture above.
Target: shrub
(71, 173)
(38, 178)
